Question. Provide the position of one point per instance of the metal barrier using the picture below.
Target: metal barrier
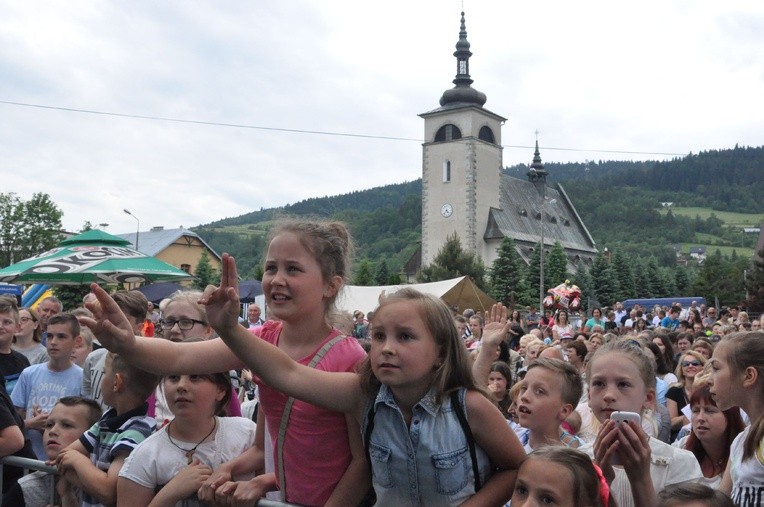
(41, 466)
(29, 464)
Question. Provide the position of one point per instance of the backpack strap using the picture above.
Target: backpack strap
(288, 410)
(460, 410)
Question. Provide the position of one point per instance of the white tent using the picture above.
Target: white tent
(459, 292)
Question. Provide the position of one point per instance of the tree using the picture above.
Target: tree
(383, 273)
(583, 279)
(604, 281)
(71, 295)
(755, 283)
(682, 281)
(28, 227)
(507, 275)
(556, 266)
(624, 275)
(363, 275)
(453, 262)
(204, 273)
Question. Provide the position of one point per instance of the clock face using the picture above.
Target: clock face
(446, 210)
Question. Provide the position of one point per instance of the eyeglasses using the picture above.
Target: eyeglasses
(687, 364)
(183, 324)
(25, 319)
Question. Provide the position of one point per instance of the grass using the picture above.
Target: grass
(730, 218)
(725, 250)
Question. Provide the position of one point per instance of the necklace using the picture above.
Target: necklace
(190, 452)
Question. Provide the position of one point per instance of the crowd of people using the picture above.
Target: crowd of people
(412, 404)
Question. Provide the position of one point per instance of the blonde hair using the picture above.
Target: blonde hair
(330, 245)
(632, 350)
(679, 373)
(745, 349)
(571, 387)
(455, 369)
(526, 339)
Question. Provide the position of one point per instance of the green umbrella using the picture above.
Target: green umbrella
(93, 256)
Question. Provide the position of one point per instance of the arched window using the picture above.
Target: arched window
(486, 134)
(448, 133)
(446, 171)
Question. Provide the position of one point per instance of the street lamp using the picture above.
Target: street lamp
(537, 175)
(138, 230)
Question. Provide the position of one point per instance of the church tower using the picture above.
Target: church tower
(461, 165)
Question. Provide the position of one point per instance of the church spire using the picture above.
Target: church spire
(537, 173)
(463, 92)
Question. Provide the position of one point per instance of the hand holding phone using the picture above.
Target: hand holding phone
(623, 417)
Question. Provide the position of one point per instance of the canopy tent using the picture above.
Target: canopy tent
(93, 256)
(461, 293)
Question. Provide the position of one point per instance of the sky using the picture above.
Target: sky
(186, 112)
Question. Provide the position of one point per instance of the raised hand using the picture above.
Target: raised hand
(222, 302)
(108, 324)
(496, 325)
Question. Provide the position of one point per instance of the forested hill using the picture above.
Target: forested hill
(617, 200)
(361, 200)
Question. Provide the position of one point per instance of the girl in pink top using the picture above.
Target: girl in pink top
(306, 265)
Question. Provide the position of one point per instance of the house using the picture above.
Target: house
(698, 252)
(180, 247)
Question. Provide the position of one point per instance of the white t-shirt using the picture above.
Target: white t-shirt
(668, 465)
(747, 476)
(156, 460)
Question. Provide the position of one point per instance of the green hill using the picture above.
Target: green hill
(714, 193)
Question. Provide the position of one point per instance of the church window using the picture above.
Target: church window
(448, 132)
(446, 171)
(186, 267)
(486, 134)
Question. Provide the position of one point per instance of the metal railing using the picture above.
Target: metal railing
(41, 466)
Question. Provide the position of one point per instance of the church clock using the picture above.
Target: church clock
(446, 210)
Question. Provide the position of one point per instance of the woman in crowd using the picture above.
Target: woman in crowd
(561, 325)
(712, 434)
(679, 394)
(28, 340)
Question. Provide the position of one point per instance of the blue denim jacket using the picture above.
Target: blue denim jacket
(426, 463)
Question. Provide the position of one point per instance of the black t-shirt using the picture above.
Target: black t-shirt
(11, 366)
(9, 417)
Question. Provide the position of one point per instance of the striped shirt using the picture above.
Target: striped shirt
(114, 435)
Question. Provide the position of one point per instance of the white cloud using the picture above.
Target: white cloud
(658, 76)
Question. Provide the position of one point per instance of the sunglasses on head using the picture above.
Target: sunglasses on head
(686, 364)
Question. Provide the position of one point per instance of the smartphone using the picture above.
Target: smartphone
(620, 417)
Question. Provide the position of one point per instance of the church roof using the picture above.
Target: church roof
(521, 218)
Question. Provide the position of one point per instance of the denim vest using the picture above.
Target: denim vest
(427, 463)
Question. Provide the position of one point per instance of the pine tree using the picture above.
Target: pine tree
(507, 275)
(556, 266)
(383, 273)
(643, 289)
(363, 275)
(204, 272)
(453, 262)
(755, 283)
(583, 279)
(604, 279)
(682, 281)
(622, 267)
(654, 279)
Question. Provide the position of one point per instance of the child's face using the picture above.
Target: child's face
(183, 310)
(708, 422)
(542, 482)
(540, 401)
(60, 341)
(725, 385)
(616, 384)
(497, 384)
(80, 352)
(403, 353)
(65, 424)
(293, 282)
(191, 394)
(8, 328)
(461, 328)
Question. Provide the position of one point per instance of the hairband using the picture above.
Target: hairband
(604, 488)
